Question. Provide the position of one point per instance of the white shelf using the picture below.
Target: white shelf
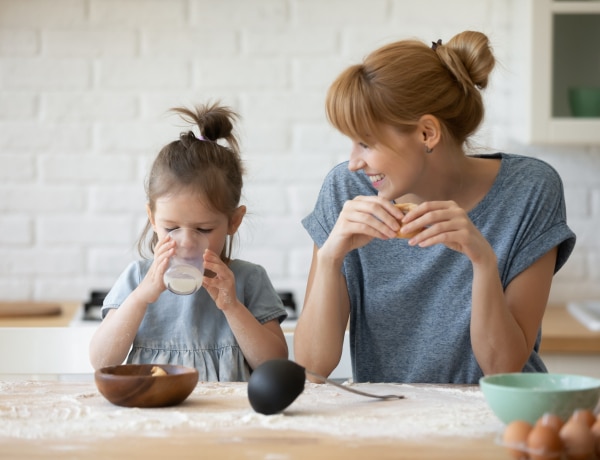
(541, 105)
(589, 7)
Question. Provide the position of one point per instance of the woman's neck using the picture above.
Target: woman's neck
(452, 175)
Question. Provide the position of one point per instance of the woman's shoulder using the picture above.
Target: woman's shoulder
(531, 167)
(524, 174)
(520, 182)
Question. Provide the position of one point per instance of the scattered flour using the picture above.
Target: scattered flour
(50, 410)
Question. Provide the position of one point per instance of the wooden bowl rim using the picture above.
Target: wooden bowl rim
(180, 370)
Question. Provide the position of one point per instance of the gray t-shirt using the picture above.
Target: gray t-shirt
(411, 306)
(190, 330)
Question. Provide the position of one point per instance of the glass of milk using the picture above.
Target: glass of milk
(186, 266)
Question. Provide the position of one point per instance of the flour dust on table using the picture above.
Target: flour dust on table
(44, 410)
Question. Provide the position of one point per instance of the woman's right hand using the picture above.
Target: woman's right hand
(153, 285)
(362, 219)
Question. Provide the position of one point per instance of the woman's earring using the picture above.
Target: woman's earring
(427, 149)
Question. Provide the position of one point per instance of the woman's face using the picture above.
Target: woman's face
(185, 209)
(394, 170)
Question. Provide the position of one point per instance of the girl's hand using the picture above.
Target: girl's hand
(221, 286)
(446, 223)
(361, 220)
(153, 285)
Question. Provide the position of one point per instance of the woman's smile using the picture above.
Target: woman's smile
(376, 179)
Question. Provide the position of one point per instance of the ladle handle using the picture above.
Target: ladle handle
(350, 389)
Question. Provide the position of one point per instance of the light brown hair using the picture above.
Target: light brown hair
(200, 164)
(402, 81)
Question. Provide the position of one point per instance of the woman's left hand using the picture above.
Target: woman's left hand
(221, 286)
(446, 223)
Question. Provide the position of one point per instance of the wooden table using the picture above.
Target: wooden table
(72, 420)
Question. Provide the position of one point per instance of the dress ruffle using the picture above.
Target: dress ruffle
(225, 364)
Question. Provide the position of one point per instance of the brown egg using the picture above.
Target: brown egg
(551, 420)
(584, 415)
(543, 443)
(515, 438)
(578, 440)
(596, 433)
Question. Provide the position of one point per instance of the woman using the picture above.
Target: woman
(463, 298)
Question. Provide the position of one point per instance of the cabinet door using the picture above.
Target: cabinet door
(555, 49)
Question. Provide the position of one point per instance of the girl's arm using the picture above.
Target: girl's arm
(258, 342)
(112, 340)
(504, 323)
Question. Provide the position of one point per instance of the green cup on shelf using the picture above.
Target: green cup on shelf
(585, 101)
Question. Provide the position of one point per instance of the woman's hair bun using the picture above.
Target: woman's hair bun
(468, 55)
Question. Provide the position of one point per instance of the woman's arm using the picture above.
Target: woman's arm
(504, 323)
(319, 334)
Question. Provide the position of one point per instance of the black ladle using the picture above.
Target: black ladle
(275, 384)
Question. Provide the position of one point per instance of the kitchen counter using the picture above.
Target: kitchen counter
(72, 420)
(562, 333)
(68, 312)
(567, 345)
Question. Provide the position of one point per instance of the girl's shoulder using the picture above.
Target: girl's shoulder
(243, 269)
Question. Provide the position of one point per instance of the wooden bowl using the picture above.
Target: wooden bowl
(133, 385)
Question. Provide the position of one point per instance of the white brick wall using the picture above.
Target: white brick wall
(84, 89)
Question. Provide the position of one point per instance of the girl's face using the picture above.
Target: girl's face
(392, 171)
(188, 210)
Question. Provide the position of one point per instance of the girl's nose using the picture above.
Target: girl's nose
(187, 239)
(356, 161)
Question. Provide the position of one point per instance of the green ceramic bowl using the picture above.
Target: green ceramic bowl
(528, 396)
(585, 101)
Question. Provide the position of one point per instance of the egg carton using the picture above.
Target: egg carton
(520, 451)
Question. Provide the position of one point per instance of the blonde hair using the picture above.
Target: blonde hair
(402, 81)
(200, 164)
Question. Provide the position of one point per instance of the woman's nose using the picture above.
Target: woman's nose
(356, 162)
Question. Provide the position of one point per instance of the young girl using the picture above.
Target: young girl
(233, 324)
(464, 297)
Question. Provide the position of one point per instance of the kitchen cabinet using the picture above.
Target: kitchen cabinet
(555, 48)
(48, 346)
